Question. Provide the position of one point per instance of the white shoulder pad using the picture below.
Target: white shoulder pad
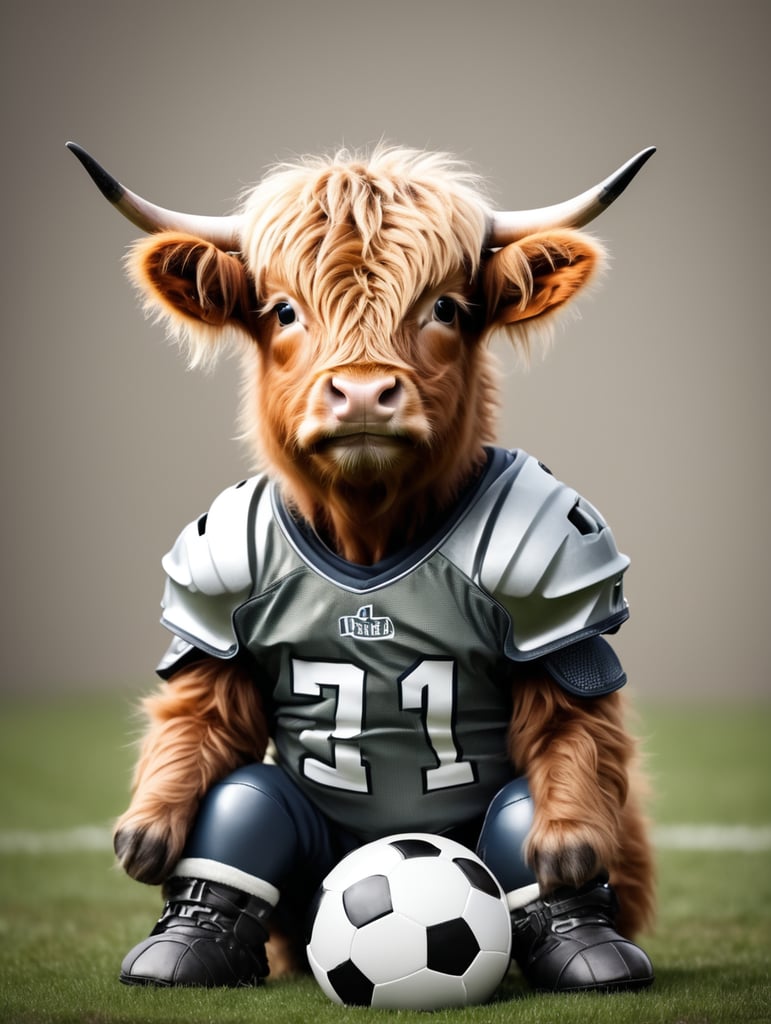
(209, 571)
(546, 556)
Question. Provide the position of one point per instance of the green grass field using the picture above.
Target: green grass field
(68, 916)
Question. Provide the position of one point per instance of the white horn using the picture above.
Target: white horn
(224, 232)
(510, 226)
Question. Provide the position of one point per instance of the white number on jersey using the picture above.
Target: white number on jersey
(428, 688)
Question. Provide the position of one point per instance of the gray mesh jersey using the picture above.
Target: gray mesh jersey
(390, 685)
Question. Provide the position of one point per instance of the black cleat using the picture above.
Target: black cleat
(568, 943)
(207, 935)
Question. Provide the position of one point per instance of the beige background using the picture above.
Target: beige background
(654, 404)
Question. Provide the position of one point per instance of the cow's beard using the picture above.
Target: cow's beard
(359, 490)
(363, 458)
(369, 493)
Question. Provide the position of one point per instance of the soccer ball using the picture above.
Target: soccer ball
(413, 922)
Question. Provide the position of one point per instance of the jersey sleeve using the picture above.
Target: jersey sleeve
(209, 574)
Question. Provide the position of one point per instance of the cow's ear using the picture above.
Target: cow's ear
(535, 277)
(191, 283)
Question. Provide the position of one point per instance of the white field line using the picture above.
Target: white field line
(715, 838)
(66, 840)
(736, 838)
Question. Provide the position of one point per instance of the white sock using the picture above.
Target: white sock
(519, 898)
(213, 871)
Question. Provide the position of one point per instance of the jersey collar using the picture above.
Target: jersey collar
(321, 558)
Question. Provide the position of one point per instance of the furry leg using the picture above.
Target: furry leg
(578, 755)
(206, 722)
(633, 875)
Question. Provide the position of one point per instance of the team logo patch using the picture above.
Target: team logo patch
(366, 626)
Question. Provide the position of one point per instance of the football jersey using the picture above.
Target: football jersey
(389, 686)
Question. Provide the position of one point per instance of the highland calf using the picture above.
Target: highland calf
(410, 614)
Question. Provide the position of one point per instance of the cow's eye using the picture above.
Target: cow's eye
(285, 313)
(445, 310)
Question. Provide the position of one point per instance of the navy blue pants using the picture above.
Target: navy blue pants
(259, 825)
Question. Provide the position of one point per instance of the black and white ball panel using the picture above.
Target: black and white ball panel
(410, 922)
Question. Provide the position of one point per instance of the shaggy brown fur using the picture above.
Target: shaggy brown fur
(580, 760)
(361, 253)
(203, 725)
(587, 789)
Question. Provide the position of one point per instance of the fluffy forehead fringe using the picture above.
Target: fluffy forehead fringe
(396, 215)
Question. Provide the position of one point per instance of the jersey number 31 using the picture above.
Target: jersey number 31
(428, 689)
